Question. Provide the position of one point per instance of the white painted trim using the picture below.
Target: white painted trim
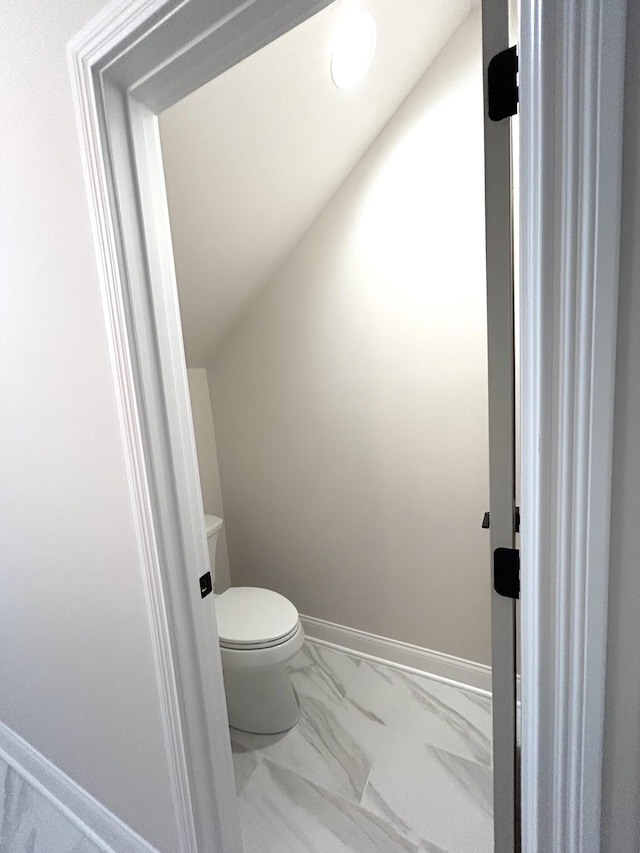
(105, 31)
(571, 85)
(135, 58)
(93, 820)
(405, 656)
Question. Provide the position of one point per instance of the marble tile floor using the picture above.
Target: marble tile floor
(31, 824)
(382, 761)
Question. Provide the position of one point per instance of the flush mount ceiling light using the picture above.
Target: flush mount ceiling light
(353, 47)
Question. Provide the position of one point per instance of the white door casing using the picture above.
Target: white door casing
(132, 61)
(138, 57)
(571, 86)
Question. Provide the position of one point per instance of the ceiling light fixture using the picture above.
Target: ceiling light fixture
(353, 47)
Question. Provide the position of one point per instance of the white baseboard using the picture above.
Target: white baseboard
(93, 820)
(452, 670)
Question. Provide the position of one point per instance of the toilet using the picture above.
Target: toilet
(260, 632)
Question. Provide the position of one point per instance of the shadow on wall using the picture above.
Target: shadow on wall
(350, 401)
(208, 466)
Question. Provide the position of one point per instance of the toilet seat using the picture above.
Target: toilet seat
(253, 618)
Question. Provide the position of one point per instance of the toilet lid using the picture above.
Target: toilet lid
(248, 616)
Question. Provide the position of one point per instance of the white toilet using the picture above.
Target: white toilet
(259, 633)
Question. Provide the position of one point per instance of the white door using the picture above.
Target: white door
(500, 330)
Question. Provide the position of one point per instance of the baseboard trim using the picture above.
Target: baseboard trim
(442, 667)
(96, 822)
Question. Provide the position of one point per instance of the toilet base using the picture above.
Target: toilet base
(261, 701)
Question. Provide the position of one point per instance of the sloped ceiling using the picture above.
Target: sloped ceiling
(252, 158)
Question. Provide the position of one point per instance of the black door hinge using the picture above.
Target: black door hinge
(502, 79)
(506, 572)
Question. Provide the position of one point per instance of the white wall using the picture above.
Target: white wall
(621, 782)
(350, 400)
(208, 466)
(245, 156)
(76, 668)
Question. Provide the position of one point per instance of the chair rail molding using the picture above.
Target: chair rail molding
(571, 85)
(94, 821)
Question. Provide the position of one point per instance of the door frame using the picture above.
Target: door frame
(501, 357)
(135, 59)
(571, 122)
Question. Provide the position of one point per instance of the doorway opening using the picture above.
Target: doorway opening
(329, 246)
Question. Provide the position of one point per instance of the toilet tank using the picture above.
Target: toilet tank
(212, 524)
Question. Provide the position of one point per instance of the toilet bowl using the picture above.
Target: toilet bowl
(259, 632)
